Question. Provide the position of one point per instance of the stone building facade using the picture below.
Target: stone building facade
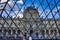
(30, 20)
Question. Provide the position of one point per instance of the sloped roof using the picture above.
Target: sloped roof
(30, 8)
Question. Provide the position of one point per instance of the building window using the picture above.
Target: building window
(0, 25)
(59, 26)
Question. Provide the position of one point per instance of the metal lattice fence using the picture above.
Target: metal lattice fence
(22, 16)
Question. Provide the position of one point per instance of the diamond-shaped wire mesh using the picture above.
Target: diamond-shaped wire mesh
(22, 16)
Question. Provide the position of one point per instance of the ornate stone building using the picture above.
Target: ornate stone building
(30, 20)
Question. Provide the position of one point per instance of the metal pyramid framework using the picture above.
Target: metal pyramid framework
(30, 17)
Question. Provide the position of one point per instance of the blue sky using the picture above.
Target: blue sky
(41, 4)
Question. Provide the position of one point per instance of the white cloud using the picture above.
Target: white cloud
(48, 10)
(54, 11)
(3, 1)
(22, 10)
(58, 7)
(9, 2)
(20, 15)
(20, 1)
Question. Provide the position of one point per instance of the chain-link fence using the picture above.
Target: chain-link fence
(19, 17)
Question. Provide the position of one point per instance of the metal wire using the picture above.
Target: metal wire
(29, 17)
